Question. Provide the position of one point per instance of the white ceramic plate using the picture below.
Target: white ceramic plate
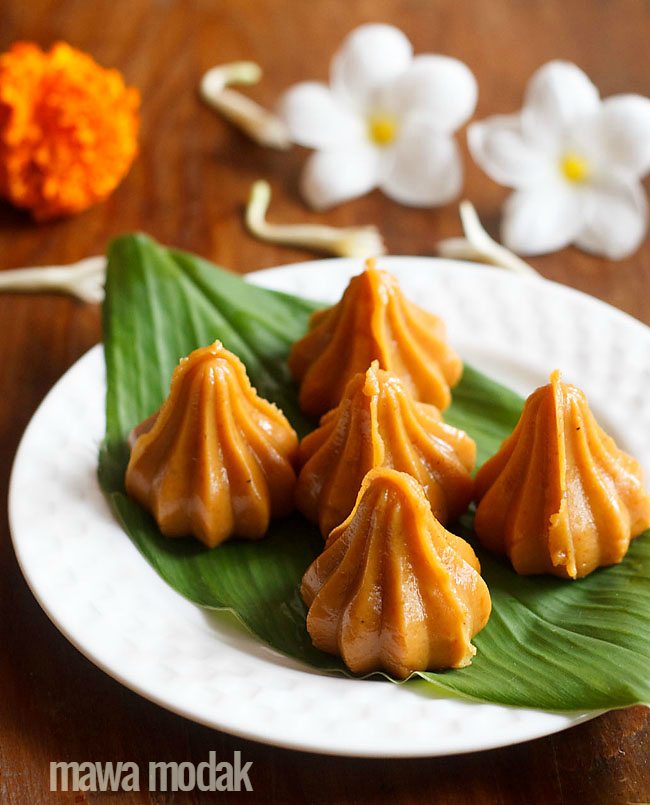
(104, 597)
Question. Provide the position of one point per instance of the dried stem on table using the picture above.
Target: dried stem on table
(357, 241)
(254, 120)
(478, 246)
(84, 279)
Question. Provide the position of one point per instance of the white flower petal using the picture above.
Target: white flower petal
(541, 219)
(371, 56)
(615, 217)
(424, 169)
(331, 177)
(442, 87)
(498, 146)
(625, 133)
(558, 95)
(317, 119)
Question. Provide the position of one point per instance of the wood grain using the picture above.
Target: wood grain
(188, 188)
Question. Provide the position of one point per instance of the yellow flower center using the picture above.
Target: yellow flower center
(382, 129)
(575, 168)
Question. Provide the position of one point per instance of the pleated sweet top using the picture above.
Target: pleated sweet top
(560, 497)
(377, 423)
(393, 590)
(373, 321)
(217, 460)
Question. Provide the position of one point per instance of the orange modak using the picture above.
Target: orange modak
(560, 497)
(373, 321)
(393, 590)
(377, 423)
(216, 461)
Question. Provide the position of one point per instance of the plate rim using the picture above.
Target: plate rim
(572, 718)
(447, 262)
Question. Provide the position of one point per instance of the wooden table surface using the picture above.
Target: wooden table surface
(188, 188)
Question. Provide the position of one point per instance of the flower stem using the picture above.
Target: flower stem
(478, 246)
(360, 241)
(256, 122)
(84, 279)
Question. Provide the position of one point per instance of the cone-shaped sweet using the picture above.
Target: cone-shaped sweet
(373, 321)
(217, 460)
(393, 590)
(377, 423)
(559, 497)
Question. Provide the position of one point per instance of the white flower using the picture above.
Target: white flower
(575, 163)
(386, 120)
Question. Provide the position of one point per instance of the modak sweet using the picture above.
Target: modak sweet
(216, 461)
(373, 321)
(560, 497)
(377, 423)
(393, 590)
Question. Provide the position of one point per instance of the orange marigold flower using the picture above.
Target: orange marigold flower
(68, 129)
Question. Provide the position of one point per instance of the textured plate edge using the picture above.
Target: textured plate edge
(245, 734)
